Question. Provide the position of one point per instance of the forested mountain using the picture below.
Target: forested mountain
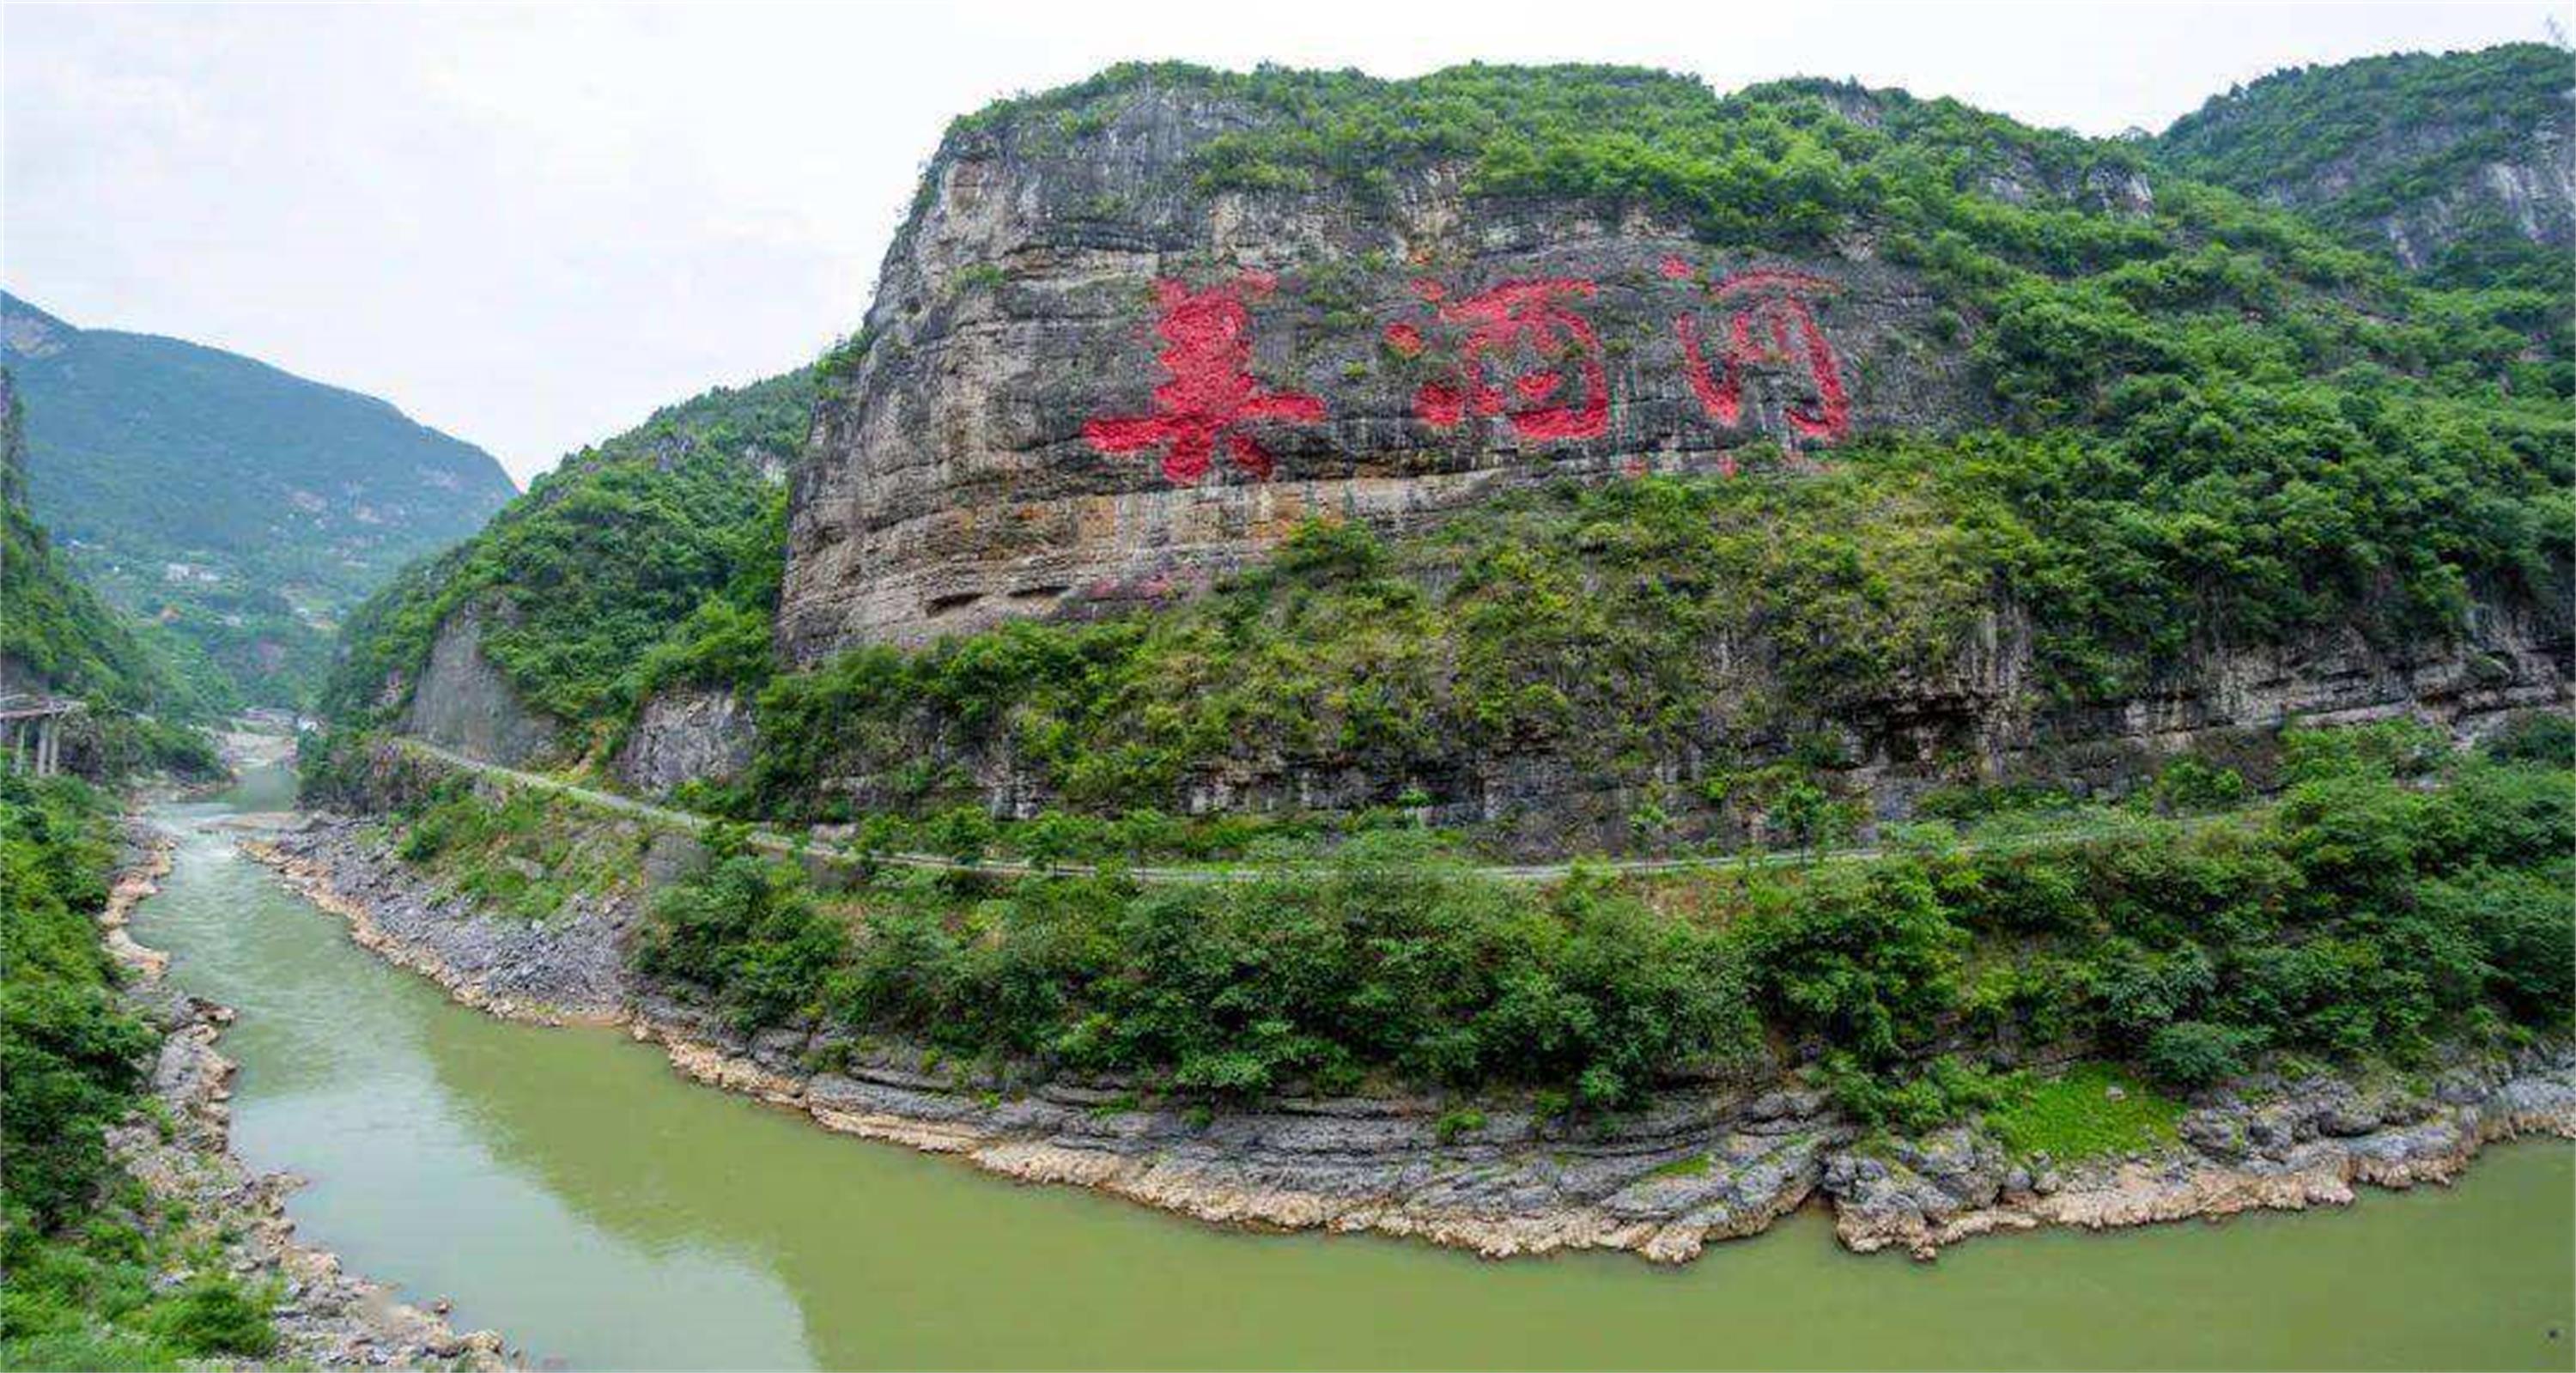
(243, 508)
(2463, 164)
(649, 556)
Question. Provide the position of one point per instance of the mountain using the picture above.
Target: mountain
(245, 508)
(2463, 165)
(1575, 455)
(1568, 445)
(647, 559)
(57, 638)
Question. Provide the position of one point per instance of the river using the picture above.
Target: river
(568, 1189)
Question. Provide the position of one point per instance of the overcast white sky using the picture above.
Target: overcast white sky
(530, 225)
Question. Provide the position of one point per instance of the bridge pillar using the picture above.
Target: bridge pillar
(48, 746)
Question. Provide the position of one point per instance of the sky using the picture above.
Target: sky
(530, 225)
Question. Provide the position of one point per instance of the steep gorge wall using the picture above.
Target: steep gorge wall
(1088, 383)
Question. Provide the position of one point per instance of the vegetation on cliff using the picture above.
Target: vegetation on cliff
(81, 1241)
(638, 562)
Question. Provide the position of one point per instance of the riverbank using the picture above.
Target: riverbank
(1696, 1165)
(182, 1154)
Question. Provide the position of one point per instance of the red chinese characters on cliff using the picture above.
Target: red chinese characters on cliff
(1557, 388)
(1520, 350)
(1770, 325)
(1211, 396)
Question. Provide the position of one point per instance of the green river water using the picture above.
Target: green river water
(568, 1189)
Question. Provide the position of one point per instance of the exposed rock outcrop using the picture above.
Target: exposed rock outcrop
(684, 734)
(463, 701)
(2260, 1144)
(568, 969)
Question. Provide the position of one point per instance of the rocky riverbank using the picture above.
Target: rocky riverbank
(182, 1152)
(1698, 1164)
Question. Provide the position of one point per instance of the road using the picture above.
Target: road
(775, 841)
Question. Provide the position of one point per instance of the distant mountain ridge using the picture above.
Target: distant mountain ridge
(245, 507)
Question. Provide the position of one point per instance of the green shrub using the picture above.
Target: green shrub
(1457, 1123)
(1944, 1092)
(2188, 784)
(2544, 737)
(1863, 961)
(214, 1316)
(745, 931)
(2193, 1053)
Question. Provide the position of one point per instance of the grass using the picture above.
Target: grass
(2074, 1116)
(1694, 1166)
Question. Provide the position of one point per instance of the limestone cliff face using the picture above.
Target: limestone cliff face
(686, 734)
(1088, 383)
(2529, 191)
(463, 701)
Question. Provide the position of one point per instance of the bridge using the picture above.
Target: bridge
(31, 730)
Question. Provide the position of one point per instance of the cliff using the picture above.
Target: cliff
(1090, 382)
(1914, 440)
(610, 579)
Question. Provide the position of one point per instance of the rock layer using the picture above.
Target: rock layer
(685, 734)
